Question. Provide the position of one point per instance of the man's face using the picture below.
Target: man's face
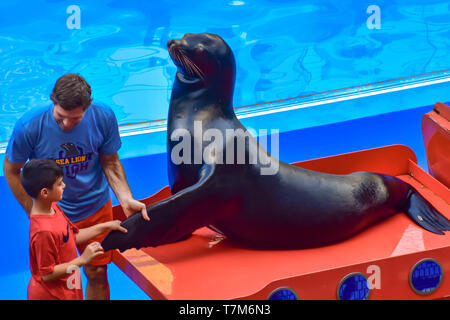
(67, 119)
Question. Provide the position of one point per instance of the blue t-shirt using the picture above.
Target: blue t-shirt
(38, 135)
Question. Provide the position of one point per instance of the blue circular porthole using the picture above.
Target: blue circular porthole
(353, 287)
(283, 293)
(425, 276)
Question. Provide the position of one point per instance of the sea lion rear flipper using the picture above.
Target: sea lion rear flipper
(170, 219)
(425, 215)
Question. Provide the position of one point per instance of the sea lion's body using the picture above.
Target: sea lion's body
(252, 204)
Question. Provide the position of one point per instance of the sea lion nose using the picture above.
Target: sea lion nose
(170, 42)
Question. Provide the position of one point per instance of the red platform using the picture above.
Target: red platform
(436, 137)
(204, 267)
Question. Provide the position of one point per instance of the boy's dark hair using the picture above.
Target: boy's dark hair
(71, 91)
(37, 174)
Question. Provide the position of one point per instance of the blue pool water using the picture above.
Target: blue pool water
(147, 175)
(283, 48)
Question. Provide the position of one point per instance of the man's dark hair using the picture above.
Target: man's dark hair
(38, 174)
(71, 91)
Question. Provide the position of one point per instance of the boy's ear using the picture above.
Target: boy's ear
(43, 193)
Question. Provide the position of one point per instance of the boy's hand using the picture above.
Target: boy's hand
(92, 250)
(115, 225)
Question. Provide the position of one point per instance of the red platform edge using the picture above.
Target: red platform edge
(436, 138)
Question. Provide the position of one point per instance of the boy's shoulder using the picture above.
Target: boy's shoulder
(47, 223)
(39, 223)
(42, 231)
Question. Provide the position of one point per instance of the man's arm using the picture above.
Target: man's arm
(12, 175)
(115, 174)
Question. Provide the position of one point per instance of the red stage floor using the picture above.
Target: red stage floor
(207, 267)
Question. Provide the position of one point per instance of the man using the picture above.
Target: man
(83, 138)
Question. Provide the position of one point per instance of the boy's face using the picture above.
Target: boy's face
(56, 192)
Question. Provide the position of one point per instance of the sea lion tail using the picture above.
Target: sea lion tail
(423, 213)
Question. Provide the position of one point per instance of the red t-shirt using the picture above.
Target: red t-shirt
(52, 242)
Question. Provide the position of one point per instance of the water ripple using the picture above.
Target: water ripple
(283, 48)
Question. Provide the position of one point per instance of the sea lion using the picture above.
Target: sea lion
(284, 209)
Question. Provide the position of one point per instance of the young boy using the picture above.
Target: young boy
(53, 250)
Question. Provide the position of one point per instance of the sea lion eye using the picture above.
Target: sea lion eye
(199, 48)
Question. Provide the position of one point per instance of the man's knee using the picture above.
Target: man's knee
(96, 274)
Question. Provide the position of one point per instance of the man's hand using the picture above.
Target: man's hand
(131, 206)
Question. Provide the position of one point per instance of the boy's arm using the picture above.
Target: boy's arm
(87, 234)
(12, 175)
(61, 270)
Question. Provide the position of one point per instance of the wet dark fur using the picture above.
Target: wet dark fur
(294, 208)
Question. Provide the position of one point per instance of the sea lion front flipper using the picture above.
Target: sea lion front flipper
(170, 219)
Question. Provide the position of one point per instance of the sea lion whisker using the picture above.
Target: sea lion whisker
(179, 57)
(189, 65)
(196, 70)
(182, 58)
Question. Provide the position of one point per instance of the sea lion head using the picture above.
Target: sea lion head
(202, 57)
